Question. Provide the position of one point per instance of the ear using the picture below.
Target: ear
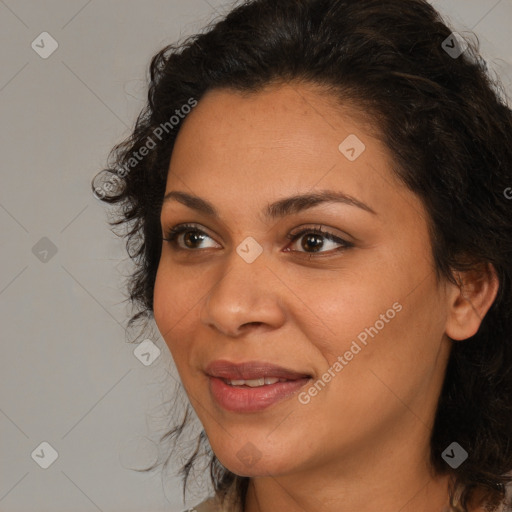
(470, 301)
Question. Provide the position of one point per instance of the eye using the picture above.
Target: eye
(194, 236)
(315, 241)
(174, 234)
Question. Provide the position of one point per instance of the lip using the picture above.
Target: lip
(251, 370)
(245, 399)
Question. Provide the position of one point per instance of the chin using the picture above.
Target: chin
(251, 459)
(259, 469)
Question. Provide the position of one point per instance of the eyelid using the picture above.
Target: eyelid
(298, 233)
(324, 230)
(172, 233)
(293, 236)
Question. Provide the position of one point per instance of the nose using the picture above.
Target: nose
(245, 295)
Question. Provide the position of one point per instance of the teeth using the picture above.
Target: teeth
(254, 383)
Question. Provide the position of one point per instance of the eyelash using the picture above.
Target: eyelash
(173, 233)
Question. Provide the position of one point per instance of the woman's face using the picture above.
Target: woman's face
(361, 314)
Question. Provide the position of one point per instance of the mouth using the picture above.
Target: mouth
(252, 386)
(253, 383)
(251, 371)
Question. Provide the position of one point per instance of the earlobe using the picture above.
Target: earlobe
(471, 300)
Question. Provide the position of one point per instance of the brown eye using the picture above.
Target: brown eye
(192, 237)
(315, 241)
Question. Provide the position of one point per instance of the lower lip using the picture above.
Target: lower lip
(246, 399)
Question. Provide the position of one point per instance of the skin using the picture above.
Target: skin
(362, 443)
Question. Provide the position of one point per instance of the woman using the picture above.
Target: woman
(375, 372)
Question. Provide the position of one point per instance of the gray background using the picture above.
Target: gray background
(69, 377)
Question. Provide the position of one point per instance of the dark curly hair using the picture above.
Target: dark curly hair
(445, 120)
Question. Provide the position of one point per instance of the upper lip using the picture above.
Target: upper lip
(251, 370)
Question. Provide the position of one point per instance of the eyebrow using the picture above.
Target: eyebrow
(278, 209)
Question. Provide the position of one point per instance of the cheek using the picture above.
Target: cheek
(162, 300)
(175, 295)
(385, 319)
(385, 361)
(348, 309)
(177, 299)
(170, 307)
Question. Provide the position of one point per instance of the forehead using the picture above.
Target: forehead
(283, 112)
(243, 148)
(282, 124)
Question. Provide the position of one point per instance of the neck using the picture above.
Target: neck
(389, 474)
(410, 493)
